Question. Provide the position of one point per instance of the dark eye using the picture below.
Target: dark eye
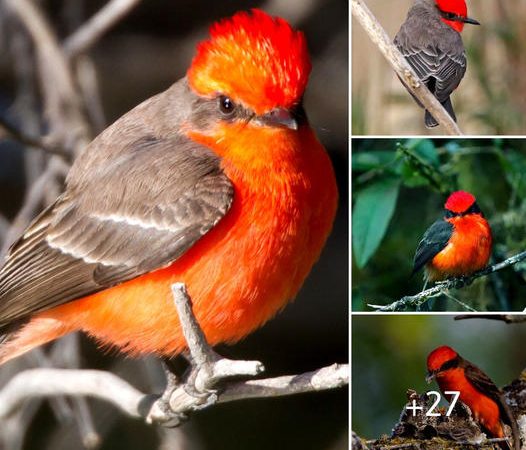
(226, 106)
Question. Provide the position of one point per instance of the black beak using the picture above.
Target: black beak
(280, 117)
(471, 21)
(430, 377)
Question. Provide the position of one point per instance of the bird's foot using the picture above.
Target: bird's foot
(161, 412)
(198, 389)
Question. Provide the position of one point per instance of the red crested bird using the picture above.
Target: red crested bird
(219, 183)
(476, 390)
(457, 245)
(430, 41)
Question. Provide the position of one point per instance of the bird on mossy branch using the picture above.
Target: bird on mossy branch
(476, 390)
(458, 244)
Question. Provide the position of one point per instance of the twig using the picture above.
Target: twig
(4, 228)
(106, 386)
(86, 75)
(44, 382)
(63, 106)
(199, 348)
(409, 77)
(208, 369)
(440, 288)
(190, 396)
(32, 203)
(87, 35)
(90, 437)
(211, 367)
(330, 377)
(507, 318)
(459, 302)
(37, 142)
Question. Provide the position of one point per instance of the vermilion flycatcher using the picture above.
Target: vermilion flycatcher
(459, 244)
(485, 400)
(430, 41)
(219, 183)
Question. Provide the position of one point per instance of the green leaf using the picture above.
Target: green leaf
(425, 149)
(372, 213)
(362, 161)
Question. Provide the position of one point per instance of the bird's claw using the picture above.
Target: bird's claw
(203, 399)
(161, 412)
(180, 398)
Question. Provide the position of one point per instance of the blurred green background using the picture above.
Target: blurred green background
(389, 357)
(491, 97)
(399, 187)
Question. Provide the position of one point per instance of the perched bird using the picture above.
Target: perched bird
(430, 41)
(457, 245)
(485, 400)
(219, 183)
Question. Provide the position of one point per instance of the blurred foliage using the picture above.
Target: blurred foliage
(389, 357)
(399, 187)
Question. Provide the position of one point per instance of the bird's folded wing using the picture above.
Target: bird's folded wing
(439, 56)
(449, 74)
(137, 212)
(434, 240)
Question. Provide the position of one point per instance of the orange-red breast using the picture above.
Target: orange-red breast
(485, 400)
(219, 182)
(458, 244)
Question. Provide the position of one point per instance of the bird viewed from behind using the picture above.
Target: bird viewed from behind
(430, 41)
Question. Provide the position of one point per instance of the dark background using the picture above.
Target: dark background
(146, 52)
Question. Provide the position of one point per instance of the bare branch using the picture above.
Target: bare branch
(440, 288)
(507, 318)
(87, 35)
(86, 75)
(330, 377)
(404, 71)
(44, 382)
(32, 142)
(199, 348)
(32, 203)
(63, 105)
(193, 394)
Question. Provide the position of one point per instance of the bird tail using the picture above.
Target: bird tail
(430, 120)
(23, 337)
(448, 106)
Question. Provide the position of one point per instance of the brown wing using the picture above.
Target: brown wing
(481, 381)
(436, 55)
(485, 385)
(135, 212)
